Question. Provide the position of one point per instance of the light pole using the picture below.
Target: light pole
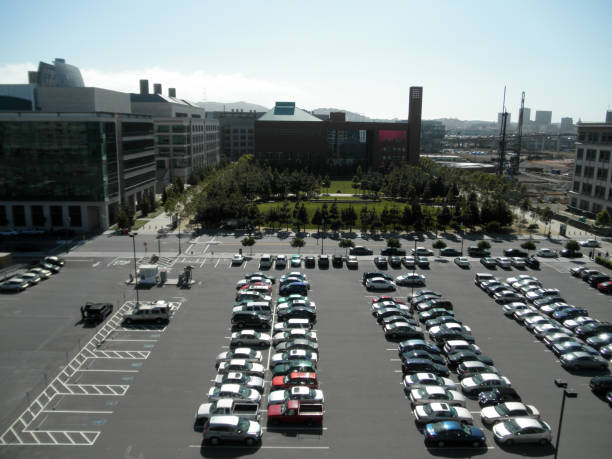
(413, 264)
(179, 232)
(567, 393)
(323, 238)
(133, 236)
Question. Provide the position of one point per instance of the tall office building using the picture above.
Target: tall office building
(526, 115)
(543, 117)
(237, 131)
(609, 116)
(566, 126)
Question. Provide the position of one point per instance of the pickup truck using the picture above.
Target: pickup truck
(296, 412)
(227, 407)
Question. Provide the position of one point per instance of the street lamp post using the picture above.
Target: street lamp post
(179, 232)
(413, 264)
(323, 238)
(567, 393)
(133, 236)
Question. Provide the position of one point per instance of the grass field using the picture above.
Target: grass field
(340, 186)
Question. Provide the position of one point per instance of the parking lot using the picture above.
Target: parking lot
(133, 392)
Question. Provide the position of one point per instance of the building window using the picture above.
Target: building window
(588, 172)
(19, 216)
(593, 137)
(57, 216)
(590, 155)
(163, 128)
(604, 156)
(578, 170)
(38, 217)
(584, 205)
(596, 207)
(74, 214)
(602, 174)
(600, 192)
(587, 188)
(579, 153)
(574, 202)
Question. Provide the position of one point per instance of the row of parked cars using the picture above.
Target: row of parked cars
(34, 275)
(578, 340)
(594, 278)
(438, 405)
(267, 261)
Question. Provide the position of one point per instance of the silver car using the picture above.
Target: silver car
(232, 428)
(522, 430)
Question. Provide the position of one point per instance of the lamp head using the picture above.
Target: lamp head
(560, 383)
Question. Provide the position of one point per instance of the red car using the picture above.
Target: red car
(296, 378)
(379, 299)
(605, 287)
(294, 412)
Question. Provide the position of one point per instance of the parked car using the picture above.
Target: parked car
(600, 385)
(410, 279)
(323, 261)
(380, 262)
(504, 262)
(378, 283)
(522, 430)
(532, 262)
(453, 433)
(590, 243)
(474, 251)
(370, 274)
(301, 393)
(483, 382)
(436, 411)
(352, 262)
(15, 284)
(251, 338)
(296, 412)
(505, 411)
(409, 262)
(488, 262)
(450, 252)
(418, 380)
(242, 366)
(428, 394)
(393, 251)
(360, 250)
(309, 261)
(581, 360)
(95, 312)
(231, 428)
(513, 252)
(499, 395)
(547, 253)
(237, 260)
(422, 251)
(462, 262)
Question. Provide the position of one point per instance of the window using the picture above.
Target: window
(604, 156)
(593, 137)
(19, 216)
(163, 128)
(57, 216)
(591, 154)
(74, 213)
(589, 171)
(38, 217)
(600, 192)
(602, 174)
(579, 153)
(596, 207)
(587, 188)
(578, 171)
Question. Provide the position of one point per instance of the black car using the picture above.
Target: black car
(360, 250)
(451, 334)
(488, 262)
(380, 262)
(395, 261)
(392, 251)
(337, 261)
(369, 274)
(450, 252)
(474, 251)
(601, 384)
(499, 395)
(95, 312)
(250, 319)
(57, 261)
(594, 281)
(309, 261)
(532, 262)
(297, 312)
(421, 354)
(590, 329)
(418, 345)
(300, 288)
(569, 313)
(323, 261)
(515, 253)
(413, 366)
(571, 253)
(456, 358)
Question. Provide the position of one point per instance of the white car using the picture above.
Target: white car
(249, 338)
(511, 308)
(235, 391)
(352, 262)
(281, 261)
(427, 394)
(243, 353)
(518, 262)
(418, 380)
(422, 251)
(241, 365)
(294, 354)
(504, 411)
(378, 283)
(462, 262)
(436, 329)
(235, 377)
(296, 393)
(241, 283)
(434, 412)
(547, 253)
(503, 262)
(291, 324)
(520, 278)
(483, 381)
(296, 333)
(590, 243)
(522, 430)
(456, 345)
(237, 259)
(43, 273)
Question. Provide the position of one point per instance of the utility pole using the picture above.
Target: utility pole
(515, 165)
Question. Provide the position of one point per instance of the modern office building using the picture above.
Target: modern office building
(236, 131)
(288, 137)
(185, 141)
(543, 120)
(432, 136)
(526, 115)
(592, 183)
(567, 126)
(72, 170)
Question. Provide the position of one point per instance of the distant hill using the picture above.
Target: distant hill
(229, 106)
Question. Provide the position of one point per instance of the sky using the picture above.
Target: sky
(356, 55)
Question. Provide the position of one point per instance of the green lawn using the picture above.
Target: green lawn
(340, 186)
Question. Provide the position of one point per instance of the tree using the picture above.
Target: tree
(248, 242)
(602, 218)
(394, 242)
(298, 242)
(346, 244)
(125, 217)
(546, 216)
(484, 245)
(528, 246)
(317, 218)
(178, 184)
(439, 244)
(284, 215)
(572, 246)
(349, 217)
(301, 217)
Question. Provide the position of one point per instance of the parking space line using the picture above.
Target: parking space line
(130, 340)
(107, 371)
(76, 412)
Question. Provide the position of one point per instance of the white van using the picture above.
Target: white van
(156, 311)
(265, 262)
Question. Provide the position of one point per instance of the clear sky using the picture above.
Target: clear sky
(356, 55)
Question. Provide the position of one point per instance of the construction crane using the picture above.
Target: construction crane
(502, 137)
(517, 158)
